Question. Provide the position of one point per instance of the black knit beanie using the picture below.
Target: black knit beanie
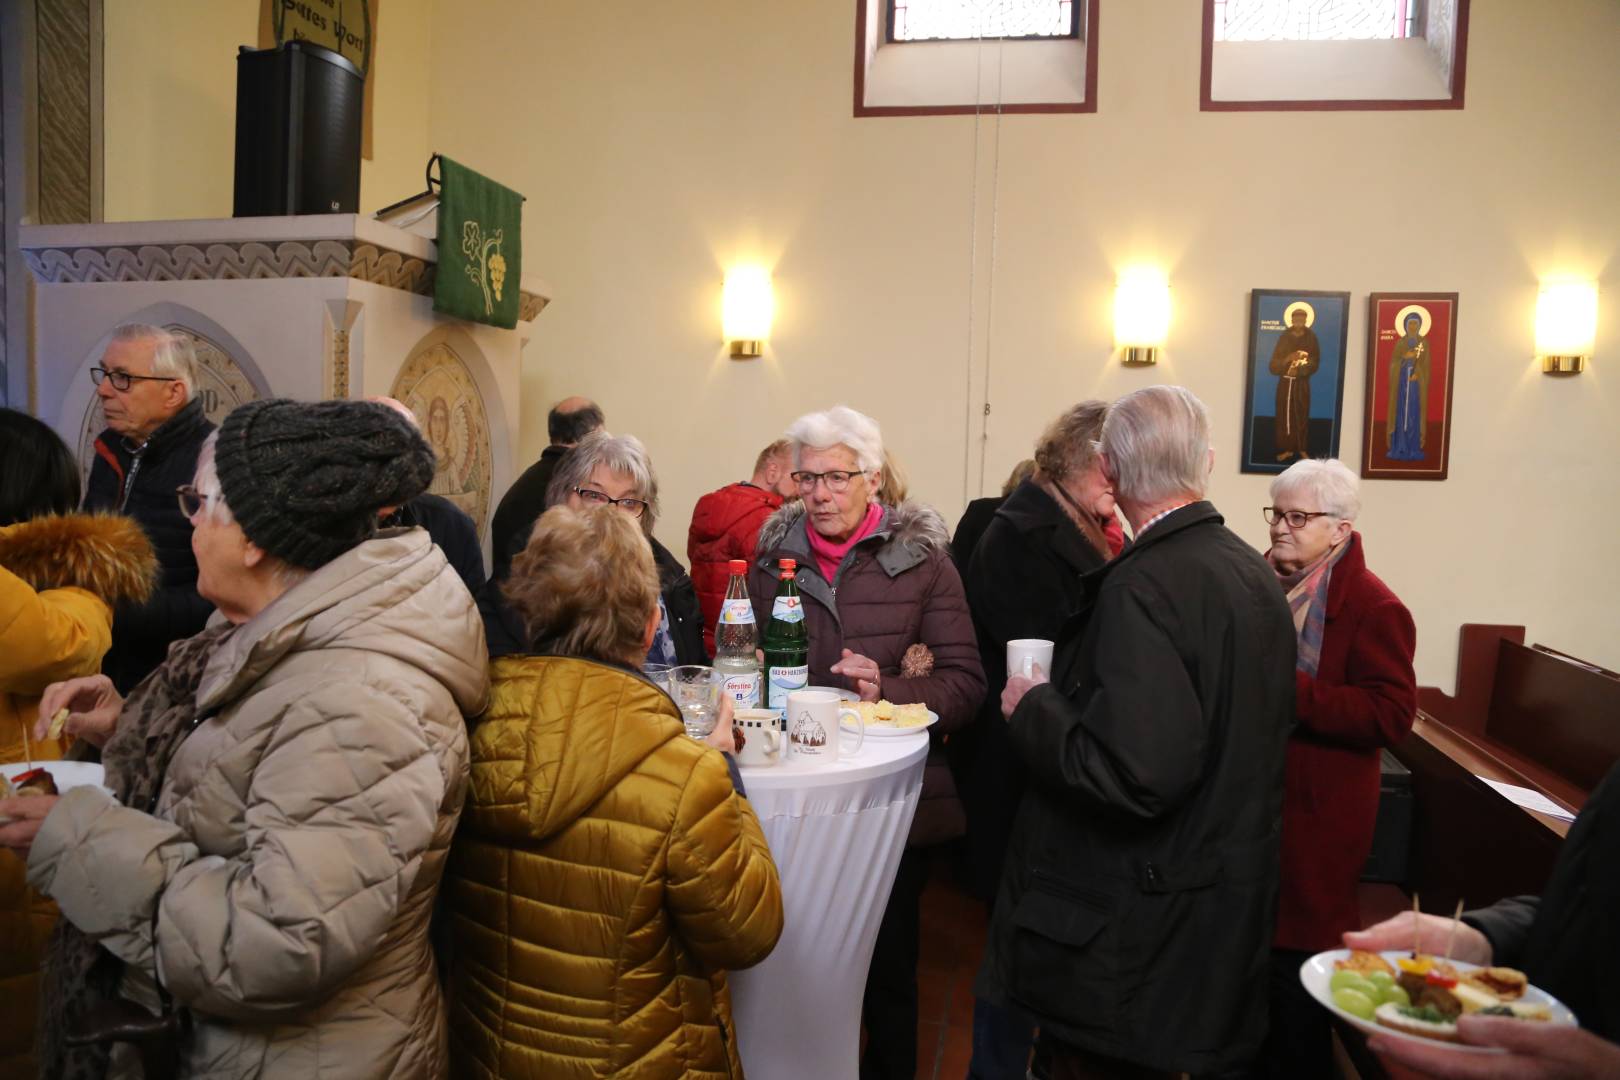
(305, 480)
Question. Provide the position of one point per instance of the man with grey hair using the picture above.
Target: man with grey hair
(155, 429)
(1135, 913)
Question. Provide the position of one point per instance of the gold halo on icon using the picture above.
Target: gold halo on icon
(1299, 305)
(1413, 309)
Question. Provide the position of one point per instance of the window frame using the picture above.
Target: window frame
(1208, 103)
(1072, 35)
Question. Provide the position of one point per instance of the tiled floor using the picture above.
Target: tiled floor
(953, 929)
(953, 933)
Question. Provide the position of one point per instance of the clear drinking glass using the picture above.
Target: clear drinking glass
(658, 675)
(698, 697)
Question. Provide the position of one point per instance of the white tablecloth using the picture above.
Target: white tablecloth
(836, 833)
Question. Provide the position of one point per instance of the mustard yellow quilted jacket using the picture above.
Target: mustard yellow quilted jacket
(605, 876)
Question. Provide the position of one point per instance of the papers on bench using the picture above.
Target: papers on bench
(1530, 800)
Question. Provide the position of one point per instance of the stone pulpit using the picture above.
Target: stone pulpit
(325, 306)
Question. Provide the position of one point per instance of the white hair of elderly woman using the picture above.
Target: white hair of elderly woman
(173, 356)
(218, 512)
(1327, 482)
(621, 454)
(839, 424)
(1157, 442)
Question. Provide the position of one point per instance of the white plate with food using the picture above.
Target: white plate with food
(886, 720)
(1394, 994)
(845, 695)
(66, 775)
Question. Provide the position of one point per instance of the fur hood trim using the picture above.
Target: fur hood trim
(914, 526)
(105, 554)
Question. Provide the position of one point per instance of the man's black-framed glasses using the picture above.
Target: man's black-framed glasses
(1297, 519)
(122, 380)
(837, 480)
(634, 507)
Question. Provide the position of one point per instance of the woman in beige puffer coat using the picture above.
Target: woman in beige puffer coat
(280, 888)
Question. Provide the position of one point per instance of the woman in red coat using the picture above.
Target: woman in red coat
(1355, 693)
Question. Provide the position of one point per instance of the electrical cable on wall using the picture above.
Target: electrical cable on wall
(968, 492)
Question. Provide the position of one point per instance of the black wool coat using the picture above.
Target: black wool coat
(452, 530)
(1567, 941)
(141, 482)
(520, 507)
(1023, 581)
(1135, 914)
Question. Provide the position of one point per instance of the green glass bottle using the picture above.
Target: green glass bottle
(786, 645)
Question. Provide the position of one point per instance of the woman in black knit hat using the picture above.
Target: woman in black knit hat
(257, 888)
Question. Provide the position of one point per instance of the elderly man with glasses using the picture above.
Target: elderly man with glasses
(155, 430)
(1137, 902)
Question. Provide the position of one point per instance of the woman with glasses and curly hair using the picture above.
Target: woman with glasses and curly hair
(888, 619)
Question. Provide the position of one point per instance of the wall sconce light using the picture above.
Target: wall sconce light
(1141, 315)
(1566, 325)
(746, 308)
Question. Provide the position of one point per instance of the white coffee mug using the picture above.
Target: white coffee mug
(1024, 653)
(762, 737)
(814, 726)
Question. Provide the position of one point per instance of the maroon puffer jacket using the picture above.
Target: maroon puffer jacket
(896, 588)
(725, 524)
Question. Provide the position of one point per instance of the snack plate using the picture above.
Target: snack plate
(67, 774)
(1315, 973)
(846, 695)
(885, 731)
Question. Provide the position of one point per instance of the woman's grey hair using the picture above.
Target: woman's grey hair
(1068, 446)
(173, 356)
(216, 510)
(1157, 442)
(838, 425)
(621, 454)
(1328, 483)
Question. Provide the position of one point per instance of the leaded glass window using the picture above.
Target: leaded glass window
(1316, 20)
(967, 20)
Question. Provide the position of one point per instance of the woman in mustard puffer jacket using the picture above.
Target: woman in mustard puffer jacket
(607, 873)
(59, 575)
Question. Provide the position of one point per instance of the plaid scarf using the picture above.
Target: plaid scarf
(156, 718)
(1307, 590)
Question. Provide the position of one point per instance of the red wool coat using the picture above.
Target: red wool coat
(1363, 698)
(725, 526)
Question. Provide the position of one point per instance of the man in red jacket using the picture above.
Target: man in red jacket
(725, 526)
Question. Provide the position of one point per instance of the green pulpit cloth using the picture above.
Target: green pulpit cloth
(480, 248)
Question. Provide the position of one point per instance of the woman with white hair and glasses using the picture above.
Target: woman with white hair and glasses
(251, 897)
(887, 618)
(1355, 693)
(614, 471)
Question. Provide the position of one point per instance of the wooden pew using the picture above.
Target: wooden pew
(1528, 716)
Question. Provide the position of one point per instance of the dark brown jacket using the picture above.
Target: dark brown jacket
(896, 588)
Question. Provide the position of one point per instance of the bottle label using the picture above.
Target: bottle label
(736, 612)
(743, 689)
(789, 609)
(783, 681)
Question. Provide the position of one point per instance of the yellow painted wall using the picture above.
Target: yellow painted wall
(660, 142)
(170, 100)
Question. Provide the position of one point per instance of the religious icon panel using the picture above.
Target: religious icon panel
(1411, 339)
(1293, 401)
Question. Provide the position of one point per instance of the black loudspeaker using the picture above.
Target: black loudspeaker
(297, 131)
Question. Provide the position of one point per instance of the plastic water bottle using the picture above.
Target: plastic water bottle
(736, 636)
(787, 643)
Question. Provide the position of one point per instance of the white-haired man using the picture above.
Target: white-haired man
(155, 430)
(1135, 915)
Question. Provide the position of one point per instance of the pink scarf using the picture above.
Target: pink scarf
(830, 553)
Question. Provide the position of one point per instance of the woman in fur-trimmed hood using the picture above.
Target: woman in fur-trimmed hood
(888, 619)
(60, 574)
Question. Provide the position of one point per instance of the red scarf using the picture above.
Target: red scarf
(830, 553)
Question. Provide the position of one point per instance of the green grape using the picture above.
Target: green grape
(1380, 979)
(1395, 993)
(1353, 980)
(1354, 1002)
